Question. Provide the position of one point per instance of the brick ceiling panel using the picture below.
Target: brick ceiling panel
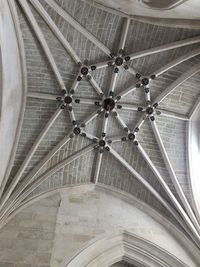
(37, 114)
(133, 157)
(72, 174)
(57, 132)
(80, 171)
(95, 126)
(149, 35)
(40, 75)
(85, 89)
(93, 105)
(123, 180)
(137, 95)
(176, 148)
(72, 146)
(164, 80)
(66, 65)
(182, 99)
(151, 63)
(124, 80)
(130, 117)
(82, 111)
(102, 77)
(105, 26)
(116, 129)
(84, 48)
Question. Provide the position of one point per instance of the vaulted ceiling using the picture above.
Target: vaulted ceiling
(108, 101)
(178, 11)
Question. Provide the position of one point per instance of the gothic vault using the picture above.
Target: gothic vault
(108, 101)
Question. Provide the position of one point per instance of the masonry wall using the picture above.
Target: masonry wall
(52, 231)
(27, 240)
(86, 215)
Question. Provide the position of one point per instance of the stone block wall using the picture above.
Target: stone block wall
(51, 231)
(27, 240)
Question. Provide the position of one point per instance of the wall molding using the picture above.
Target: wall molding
(76, 189)
(112, 248)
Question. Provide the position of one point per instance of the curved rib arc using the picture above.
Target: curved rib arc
(166, 188)
(185, 76)
(176, 62)
(42, 42)
(31, 152)
(30, 177)
(162, 48)
(78, 26)
(173, 177)
(151, 189)
(44, 176)
(55, 30)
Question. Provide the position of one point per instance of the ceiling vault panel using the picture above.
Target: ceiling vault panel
(111, 110)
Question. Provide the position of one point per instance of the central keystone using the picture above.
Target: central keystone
(84, 71)
(145, 81)
(149, 110)
(102, 143)
(108, 104)
(68, 100)
(119, 61)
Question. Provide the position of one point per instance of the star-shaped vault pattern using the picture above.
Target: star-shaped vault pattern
(110, 106)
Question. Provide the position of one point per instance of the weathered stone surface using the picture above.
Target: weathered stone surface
(27, 240)
(97, 213)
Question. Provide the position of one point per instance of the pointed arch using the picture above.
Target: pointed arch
(119, 246)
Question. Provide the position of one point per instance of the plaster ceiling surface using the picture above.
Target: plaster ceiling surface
(108, 101)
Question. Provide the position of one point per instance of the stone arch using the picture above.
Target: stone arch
(13, 87)
(193, 149)
(125, 230)
(119, 246)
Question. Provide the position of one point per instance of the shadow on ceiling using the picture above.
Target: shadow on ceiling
(157, 4)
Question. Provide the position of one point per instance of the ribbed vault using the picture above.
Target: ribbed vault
(109, 99)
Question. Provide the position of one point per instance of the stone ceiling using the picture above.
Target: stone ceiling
(108, 101)
(169, 11)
